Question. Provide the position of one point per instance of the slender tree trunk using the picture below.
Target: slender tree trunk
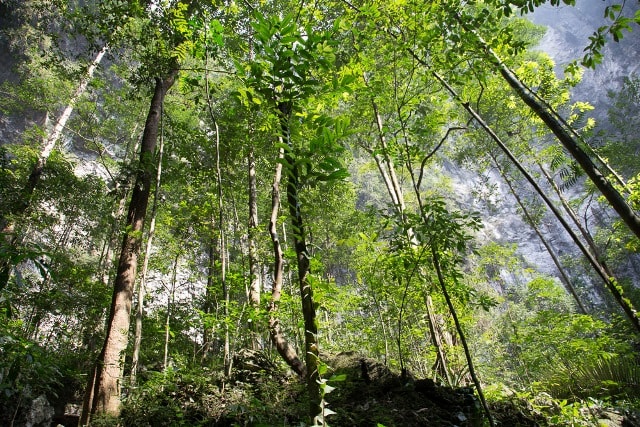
(226, 295)
(254, 266)
(170, 302)
(390, 178)
(137, 341)
(109, 366)
(440, 366)
(463, 340)
(383, 325)
(306, 290)
(281, 344)
(209, 298)
(221, 220)
(223, 255)
(6, 225)
(255, 284)
(563, 275)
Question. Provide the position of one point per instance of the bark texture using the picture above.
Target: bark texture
(306, 290)
(302, 259)
(137, 340)
(109, 366)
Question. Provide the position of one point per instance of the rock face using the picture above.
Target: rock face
(569, 28)
(40, 413)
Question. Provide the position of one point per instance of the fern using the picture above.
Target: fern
(604, 376)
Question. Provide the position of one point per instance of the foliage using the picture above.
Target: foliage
(26, 372)
(201, 397)
(354, 87)
(545, 344)
(527, 408)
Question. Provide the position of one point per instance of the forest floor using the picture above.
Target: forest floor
(375, 395)
(367, 393)
(370, 394)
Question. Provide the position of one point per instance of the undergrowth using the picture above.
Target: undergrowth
(267, 397)
(203, 397)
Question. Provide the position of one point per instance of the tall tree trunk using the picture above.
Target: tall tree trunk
(302, 259)
(223, 255)
(221, 220)
(209, 298)
(463, 340)
(254, 266)
(109, 366)
(255, 284)
(167, 323)
(391, 179)
(6, 226)
(278, 339)
(440, 365)
(383, 325)
(137, 341)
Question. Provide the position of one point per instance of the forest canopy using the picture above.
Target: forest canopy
(288, 213)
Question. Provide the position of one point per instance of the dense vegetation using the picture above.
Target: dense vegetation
(221, 213)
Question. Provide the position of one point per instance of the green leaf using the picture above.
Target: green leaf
(322, 368)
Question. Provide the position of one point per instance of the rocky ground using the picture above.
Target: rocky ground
(373, 395)
(367, 393)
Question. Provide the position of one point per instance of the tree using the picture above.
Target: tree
(287, 73)
(145, 266)
(103, 394)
